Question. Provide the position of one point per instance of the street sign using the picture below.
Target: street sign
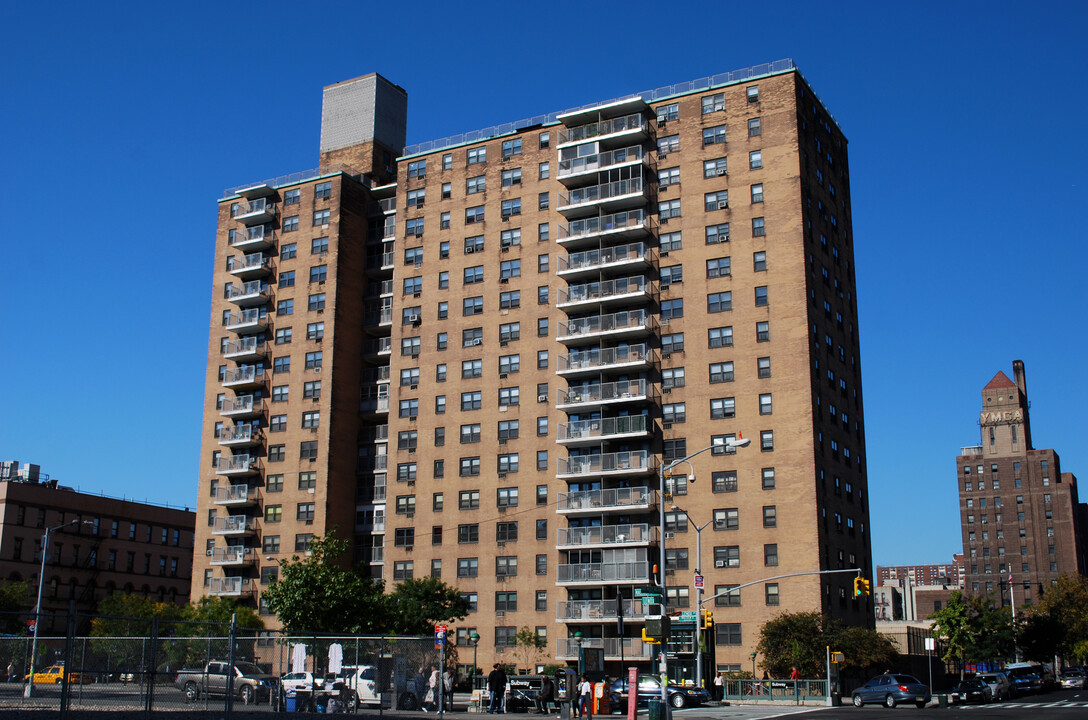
(699, 583)
(687, 616)
(647, 592)
(440, 635)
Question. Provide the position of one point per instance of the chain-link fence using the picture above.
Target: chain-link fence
(150, 667)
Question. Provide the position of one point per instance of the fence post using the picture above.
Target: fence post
(83, 668)
(230, 667)
(151, 660)
(65, 687)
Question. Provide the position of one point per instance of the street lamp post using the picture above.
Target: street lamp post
(728, 444)
(28, 691)
(753, 656)
(581, 655)
(698, 593)
(475, 638)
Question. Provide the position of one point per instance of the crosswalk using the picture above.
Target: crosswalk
(1028, 706)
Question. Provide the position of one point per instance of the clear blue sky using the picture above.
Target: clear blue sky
(123, 122)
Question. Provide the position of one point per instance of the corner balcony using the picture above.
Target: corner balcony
(240, 435)
(235, 496)
(620, 325)
(246, 349)
(378, 346)
(374, 401)
(598, 501)
(580, 397)
(606, 197)
(256, 191)
(254, 292)
(599, 611)
(238, 465)
(249, 266)
(246, 322)
(242, 406)
(627, 290)
(235, 555)
(254, 238)
(627, 128)
(256, 212)
(230, 586)
(234, 525)
(592, 432)
(574, 170)
(242, 377)
(602, 228)
(593, 361)
(379, 318)
(605, 536)
(633, 257)
(633, 648)
(601, 573)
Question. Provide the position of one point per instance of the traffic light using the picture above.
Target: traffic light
(708, 619)
(866, 587)
(658, 627)
(858, 586)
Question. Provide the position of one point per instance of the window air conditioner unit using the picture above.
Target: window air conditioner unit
(500, 613)
(470, 249)
(721, 172)
(666, 391)
(476, 341)
(666, 426)
(723, 204)
(413, 387)
(504, 281)
(664, 253)
(414, 319)
(502, 441)
(506, 248)
(719, 563)
(541, 398)
(666, 355)
(670, 535)
(662, 155)
(317, 369)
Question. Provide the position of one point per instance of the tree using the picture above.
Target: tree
(974, 628)
(527, 647)
(801, 640)
(15, 598)
(417, 605)
(864, 649)
(1058, 622)
(319, 594)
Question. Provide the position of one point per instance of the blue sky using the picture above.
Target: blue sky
(123, 122)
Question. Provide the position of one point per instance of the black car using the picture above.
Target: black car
(971, 691)
(649, 687)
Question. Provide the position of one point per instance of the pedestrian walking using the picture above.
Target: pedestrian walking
(496, 686)
(447, 690)
(585, 697)
(719, 687)
(430, 701)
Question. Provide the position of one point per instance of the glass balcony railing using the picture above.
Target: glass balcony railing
(638, 571)
(633, 648)
(239, 434)
(600, 161)
(250, 265)
(605, 290)
(258, 237)
(604, 392)
(639, 534)
(241, 406)
(598, 610)
(246, 321)
(590, 131)
(609, 499)
(250, 293)
(602, 428)
(601, 258)
(236, 465)
(246, 348)
(233, 525)
(603, 358)
(625, 320)
(601, 193)
(244, 375)
(229, 586)
(261, 210)
(234, 495)
(620, 223)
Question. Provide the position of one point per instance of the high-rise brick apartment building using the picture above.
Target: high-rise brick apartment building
(473, 355)
(1020, 514)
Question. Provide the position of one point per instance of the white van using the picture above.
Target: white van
(362, 681)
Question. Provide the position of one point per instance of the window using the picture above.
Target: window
(669, 112)
(285, 307)
(757, 193)
(755, 160)
(477, 155)
(755, 128)
(509, 396)
(770, 516)
(321, 217)
(722, 408)
(509, 332)
(672, 378)
(721, 372)
(545, 139)
(763, 331)
(443, 280)
(753, 94)
(447, 161)
(511, 148)
(507, 497)
(716, 167)
(444, 224)
(472, 306)
(673, 342)
(670, 241)
(727, 556)
(677, 597)
(509, 364)
(468, 534)
(287, 279)
(417, 169)
(767, 475)
(714, 135)
(290, 224)
(292, 197)
(766, 440)
(723, 481)
(719, 302)
(765, 406)
(543, 232)
(447, 190)
(277, 423)
(668, 209)
(718, 267)
(319, 246)
(508, 429)
(770, 555)
(759, 261)
(474, 214)
(506, 566)
(475, 185)
(472, 369)
(471, 400)
(674, 413)
(311, 419)
(717, 233)
(730, 599)
(672, 309)
(542, 327)
(273, 513)
(313, 360)
(470, 466)
(474, 274)
(305, 512)
(543, 201)
(542, 295)
(468, 567)
(404, 537)
(668, 176)
(727, 519)
(277, 453)
(716, 200)
(472, 337)
(316, 302)
(771, 593)
(713, 103)
(509, 208)
(410, 346)
(510, 268)
(315, 331)
(544, 170)
(288, 251)
(758, 227)
(510, 238)
(672, 275)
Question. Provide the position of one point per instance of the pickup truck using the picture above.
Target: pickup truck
(250, 682)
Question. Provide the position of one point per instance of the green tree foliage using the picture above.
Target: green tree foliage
(801, 640)
(319, 593)
(417, 605)
(15, 597)
(1058, 622)
(528, 646)
(973, 628)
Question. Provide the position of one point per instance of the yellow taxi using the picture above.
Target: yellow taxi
(55, 675)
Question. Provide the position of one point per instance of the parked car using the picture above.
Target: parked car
(1028, 677)
(361, 685)
(55, 675)
(971, 691)
(892, 689)
(649, 687)
(250, 683)
(1000, 687)
(301, 681)
(1074, 679)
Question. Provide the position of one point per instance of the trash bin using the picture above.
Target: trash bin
(942, 700)
(836, 698)
(657, 709)
(292, 703)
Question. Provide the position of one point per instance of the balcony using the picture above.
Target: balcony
(230, 586)
(234, 555)
(607, 292)
(254, 238)
(598, 501)
(970, 450)
(601, 573)
(374, 400)
(627, 128)
(598, 610)
(609, 197)
(254, 292)
(256, 212)
(246, 322)
(634, 257)
(238, 465)
(383, 317)
(579, 396)
(595, 230)
(234, 525)
(249, 266)
(242, 377)
(388, 205)
(243, 406)
(235, 496)
(633, 648)
(256, 191)
(246, 349)
(606, 536)
(240, 435)
(593, 361)
(578, 169)
(623, 324)
(378, 346)
(590, 432)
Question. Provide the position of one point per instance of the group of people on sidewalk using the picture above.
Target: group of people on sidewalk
(431, 690)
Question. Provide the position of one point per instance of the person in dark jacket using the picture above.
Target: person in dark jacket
(546, 695)
(496, 686)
